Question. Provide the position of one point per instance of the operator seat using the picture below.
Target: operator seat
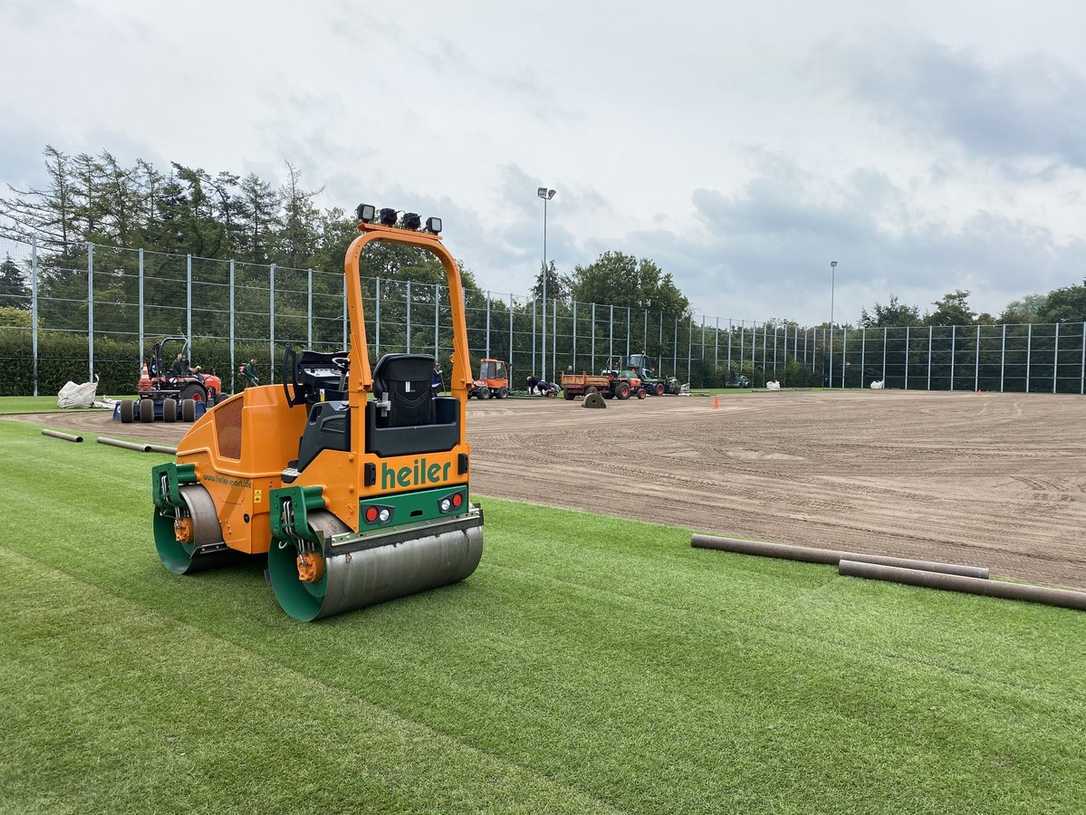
(404, 381)
(405, 417)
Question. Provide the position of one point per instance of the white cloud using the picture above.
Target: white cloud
(926, 147)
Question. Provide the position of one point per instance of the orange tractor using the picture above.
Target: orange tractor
(493, 381)
(351, 480)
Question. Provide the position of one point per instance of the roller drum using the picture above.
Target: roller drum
(353, 580)
(206, 549)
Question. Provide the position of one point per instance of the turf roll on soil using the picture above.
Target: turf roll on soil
(830, 557)
(56, 434)
(138, 446)
(970, 585)
(594, 400)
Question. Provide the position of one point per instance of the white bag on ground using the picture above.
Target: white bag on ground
(772, 385)
(878, 385)
(77, 396)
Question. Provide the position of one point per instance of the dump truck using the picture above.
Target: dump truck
(351, 482)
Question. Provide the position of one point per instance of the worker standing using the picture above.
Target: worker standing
(248, 372)
(436, 383)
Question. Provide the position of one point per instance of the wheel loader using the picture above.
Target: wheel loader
(352, 481)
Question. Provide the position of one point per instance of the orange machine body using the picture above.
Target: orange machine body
(239, 462)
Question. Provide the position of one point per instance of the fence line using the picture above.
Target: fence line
(263, 307)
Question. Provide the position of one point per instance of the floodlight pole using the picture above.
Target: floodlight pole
(546, 194)
(833, 286)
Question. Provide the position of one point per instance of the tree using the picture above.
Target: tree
(46, 214)
(894, 313)
(952, 309)
(557, 286)
(1026, 310)
(623, 280)
(300, 219)
(1065, 305)
(14, 292)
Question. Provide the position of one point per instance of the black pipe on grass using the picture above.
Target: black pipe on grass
(1066, 598)
(56, 434)
(139, 447)
(830, 557)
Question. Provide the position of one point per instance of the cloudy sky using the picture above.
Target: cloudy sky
(926, 146)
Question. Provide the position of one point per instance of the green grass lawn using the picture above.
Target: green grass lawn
(35, 404)
(589, 665)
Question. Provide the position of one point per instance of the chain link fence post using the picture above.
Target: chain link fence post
(233, 361)
(1003, 358)
(34, 313)
(407, 341)
(139, 350)
(1056, 358)
(90, 310)
(271, 323)
(1029, 352)
(188, 300)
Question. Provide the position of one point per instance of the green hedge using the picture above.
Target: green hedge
(63, 357)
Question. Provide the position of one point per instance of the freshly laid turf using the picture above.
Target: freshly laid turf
(589, 665)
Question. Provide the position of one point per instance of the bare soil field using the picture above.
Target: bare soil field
(991, 479)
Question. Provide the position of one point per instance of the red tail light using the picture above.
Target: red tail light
(371, 515)
(457, 499)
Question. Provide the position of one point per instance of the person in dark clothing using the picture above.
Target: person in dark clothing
(179, 368)
(248, 372)
(436, 383)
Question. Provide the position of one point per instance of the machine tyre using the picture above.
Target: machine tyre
(622, 390)
(660, 389)
(641, 394)
(188, 410)
(503, 392)
(128, 411)
(147, 411)
(482, 393)
(569, 395)
(193, 390)
(169, 410)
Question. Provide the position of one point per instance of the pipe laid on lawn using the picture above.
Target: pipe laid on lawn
(830, 557)
(138, 446)
(161, 448)
(1065, 598)
(56, 434)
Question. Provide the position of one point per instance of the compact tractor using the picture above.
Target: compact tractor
(169, 389)
(642, 366)
(352, 481)
(493, 381)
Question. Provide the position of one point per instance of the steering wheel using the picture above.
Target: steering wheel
(290, 378)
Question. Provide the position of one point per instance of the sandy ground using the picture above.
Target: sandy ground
(990, 479)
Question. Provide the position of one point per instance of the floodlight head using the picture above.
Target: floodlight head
(833, 264)
(433, 225)
(388, 217)
(544, 192)
(366, 213)
(411, 220)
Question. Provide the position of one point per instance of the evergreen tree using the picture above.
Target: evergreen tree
(14, 291)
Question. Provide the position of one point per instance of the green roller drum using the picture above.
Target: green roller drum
(363, 569)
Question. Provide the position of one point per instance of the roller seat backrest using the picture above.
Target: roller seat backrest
(405, 379)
